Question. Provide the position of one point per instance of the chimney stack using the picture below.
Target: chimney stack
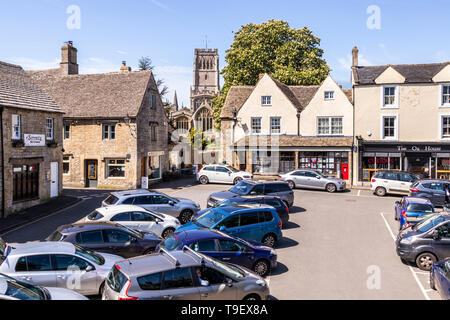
(124, 68)
(355, 57)
(69, 63)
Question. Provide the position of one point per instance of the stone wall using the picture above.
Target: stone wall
(1, 166)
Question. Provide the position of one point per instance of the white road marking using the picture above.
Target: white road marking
(359, 193)
(424, 292)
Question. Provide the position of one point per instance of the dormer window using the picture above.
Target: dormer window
(329, 95)
(266, 100)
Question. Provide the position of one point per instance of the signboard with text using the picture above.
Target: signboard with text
(34, 140)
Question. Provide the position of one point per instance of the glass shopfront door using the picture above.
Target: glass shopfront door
(419, 164)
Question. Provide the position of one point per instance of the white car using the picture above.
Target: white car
(390, 181)
(136, 218)
(221, 174)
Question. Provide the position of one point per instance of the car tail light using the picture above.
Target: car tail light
(414, 190)
(126, 296)
(287, 209)
(373, 180)
(404, 214)
(279, 177)
(280, 224)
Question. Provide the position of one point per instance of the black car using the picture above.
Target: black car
(108, 237)
(434, 190)
(426, 242)
(277, 203)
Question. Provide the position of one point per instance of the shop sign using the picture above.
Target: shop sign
(419, 149)
(34, 140)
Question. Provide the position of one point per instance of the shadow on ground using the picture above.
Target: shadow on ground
(280, 269)
(296, 209)
(290, 225)
(286, 243)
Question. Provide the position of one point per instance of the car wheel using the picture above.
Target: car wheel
(380, 191)
(167, 233)
(203, 180)
(262, 268)
(185, 216)
(425, 260)
(269, 240)
(291, 184)
(252, 297)
(237, 180)
(432, 284)
(331, 188)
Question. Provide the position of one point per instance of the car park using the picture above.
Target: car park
(258, 223)
(180, 208)
(440, 278)
(391, 181)
(12, 289)
(182, 275)
(221, 174)
(312, 179)
(57, 264)
(108, 237)
(434, 190)
(410, 210)
(136, 218)
(218, 245)
(426, 242)
(255, 188)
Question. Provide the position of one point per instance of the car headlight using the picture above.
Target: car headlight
(273, 252)
(261, 283)
(406, 240)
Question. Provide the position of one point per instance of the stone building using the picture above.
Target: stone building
(31, 142)
(273, 128)
(115, 128)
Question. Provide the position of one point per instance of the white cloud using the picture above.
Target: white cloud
(121, 52)
(32, 64)
(98, 65)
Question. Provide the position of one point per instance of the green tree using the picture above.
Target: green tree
(292, 56)
(145, 63)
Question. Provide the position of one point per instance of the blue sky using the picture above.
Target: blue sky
(32, 32)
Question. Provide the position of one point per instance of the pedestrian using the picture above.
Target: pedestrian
(426, 174)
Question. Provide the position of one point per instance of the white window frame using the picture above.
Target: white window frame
(108, 131)
(396, 97)
(395, 137)
(16, 123)
(64, 131)
(330, 127)
(49, 129)
(271, 127)
(329, 92)
(440, 126)
(441, 96)
(124, 165)
(266, 101)
(260, 125)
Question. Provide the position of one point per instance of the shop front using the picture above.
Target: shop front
(423, 159)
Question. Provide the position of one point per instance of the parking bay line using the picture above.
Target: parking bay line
(424, 292)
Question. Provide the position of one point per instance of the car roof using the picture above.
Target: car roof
(432, 180)
(249, 197)
(157, 262)
(234, 209)
(417, 200)
(87, 226)
(200, 234)
(135, 192)
(41, 248)
(256, 181)
(110, 210)
(394, 171)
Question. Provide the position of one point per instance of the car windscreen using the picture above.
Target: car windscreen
(111, 199)
(225, 268)
(210, 219)
(90, 255)
(242, 188)
(171, 243)
(133, 232)
(427, 224)
(419, 207)
(116, 279)
(20, 290)
(229, 202)
(232, 169)
(95, 215)
(56, 237)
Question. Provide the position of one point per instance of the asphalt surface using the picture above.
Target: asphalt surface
(336, 246)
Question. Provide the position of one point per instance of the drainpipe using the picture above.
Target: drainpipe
(3, 164)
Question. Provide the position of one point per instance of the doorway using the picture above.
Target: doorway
(54, 182)
(418, 164)
(91, 169)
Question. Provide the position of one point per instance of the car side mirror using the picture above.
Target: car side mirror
(204, 283)
(133, 240)
(222, 228)
(229, 283)
(319, 177)
(436, 235)
(171, 203)
(90, 268)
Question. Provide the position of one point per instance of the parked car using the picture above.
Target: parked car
(220, 246)
(12, 289)
(221, 174)
(180, 208)
(136, 218)
(182, 275)
(411, 210)
(57, 264)
(440, 278)
(107, 237)
(389, 181)
(434, 190)
(258, 223)
(312, 179)
(276, 202)
(255, 188)
(426, 242)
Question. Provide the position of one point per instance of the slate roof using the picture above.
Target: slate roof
(296, 141)
(18, 90)
(109, 95)
(413, 73)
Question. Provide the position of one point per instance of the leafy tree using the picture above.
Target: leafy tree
(292, 56)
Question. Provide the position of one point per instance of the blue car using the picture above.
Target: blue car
(218, 245)
(252, 222)
(440, 278)
(411, 210)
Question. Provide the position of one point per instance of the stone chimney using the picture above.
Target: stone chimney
(124, 68)
(355, 57)
(69, 63)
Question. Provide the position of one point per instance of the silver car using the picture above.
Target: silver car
(182, 275)
(57, 264)
(12, 289)
(180, 208)
(311, 179)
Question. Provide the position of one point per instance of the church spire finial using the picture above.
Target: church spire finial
(175, 100)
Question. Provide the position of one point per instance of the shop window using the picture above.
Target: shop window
(287, 162)
(25, 182)
(66, 165)
(329, 163)
(154, 165)
(16, 127)
(115, 168)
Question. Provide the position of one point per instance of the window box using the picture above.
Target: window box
(52, 144)
(18, 143)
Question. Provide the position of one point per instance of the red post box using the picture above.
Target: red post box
(344, 171)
